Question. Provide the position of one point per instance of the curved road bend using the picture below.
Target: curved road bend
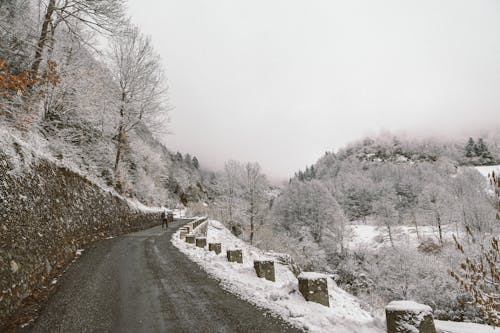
(141, 283)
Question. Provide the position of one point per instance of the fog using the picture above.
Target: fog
(281, 82)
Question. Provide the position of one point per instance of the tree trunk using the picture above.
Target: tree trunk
(42, 39)
(414, 216)
(251, 230)
(438, 218)
(121, 138)
(390, 235)
(252, 216)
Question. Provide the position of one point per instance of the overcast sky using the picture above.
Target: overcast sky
(281, 82)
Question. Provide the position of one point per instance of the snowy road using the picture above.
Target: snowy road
(141, 283)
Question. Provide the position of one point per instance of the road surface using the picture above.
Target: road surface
(141, 283)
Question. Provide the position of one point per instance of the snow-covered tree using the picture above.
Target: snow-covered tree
(196, 163)
(254, 192)
(94, 14)
(141, 93)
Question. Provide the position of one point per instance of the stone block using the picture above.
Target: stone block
(314, 287)
(183, 232)
(409, 317)
(190, 239)
(264, 269)
(216, 247)
(235, 256)
(201, 242)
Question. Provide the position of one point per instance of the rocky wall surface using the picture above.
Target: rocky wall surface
(47, 212)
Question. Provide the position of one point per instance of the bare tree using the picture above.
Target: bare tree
(141, 90)
(100, 15)
(254, 188)
(231, 189)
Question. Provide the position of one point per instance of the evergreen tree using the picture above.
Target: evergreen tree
(196, 164)
(313, 172)
(178, 157)
(480, 148)
(470, 148)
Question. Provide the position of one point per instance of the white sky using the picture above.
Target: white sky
(282, 81)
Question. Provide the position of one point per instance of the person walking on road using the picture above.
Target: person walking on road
(164, 218)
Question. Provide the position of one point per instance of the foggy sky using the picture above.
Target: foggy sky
(282, 81)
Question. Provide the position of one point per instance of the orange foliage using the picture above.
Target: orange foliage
(14, 83)
(11, 84)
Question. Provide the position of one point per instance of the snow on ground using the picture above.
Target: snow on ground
(372, 237)
(487, 169)
(282, 297)
(456, 327)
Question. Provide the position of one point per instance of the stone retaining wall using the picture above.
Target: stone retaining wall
(47, 212)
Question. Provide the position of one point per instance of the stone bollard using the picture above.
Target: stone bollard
(201, 242)
(314, 287)
(216, 247)
(190, 239)
(235, 256)
(264, 269)
(409, 317)
(183, 232)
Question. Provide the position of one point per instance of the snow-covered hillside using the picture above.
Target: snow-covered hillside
(282, 297)
(372, 237)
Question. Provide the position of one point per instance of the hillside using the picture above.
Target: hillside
(101, 106)
(380, 212)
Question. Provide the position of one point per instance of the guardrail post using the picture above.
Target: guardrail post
(409, 317)
(235, 255)
(314, 287)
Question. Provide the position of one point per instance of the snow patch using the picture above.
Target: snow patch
(409, 306)
(456, 327)
(312, 276)
(485, 170)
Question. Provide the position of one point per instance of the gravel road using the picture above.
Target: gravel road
(141, 283)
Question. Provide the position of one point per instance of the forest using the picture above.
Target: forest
(422, 198)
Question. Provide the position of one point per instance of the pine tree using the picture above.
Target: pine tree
(470, 148)
(485, 154)
(313, 172)
(196, 164)
(480, 148)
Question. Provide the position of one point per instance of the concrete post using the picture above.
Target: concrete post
(409, 317)
(216, 247)
(235, 256)
(264, 269)
(314, 287)
(201, 242)
(190, 239)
